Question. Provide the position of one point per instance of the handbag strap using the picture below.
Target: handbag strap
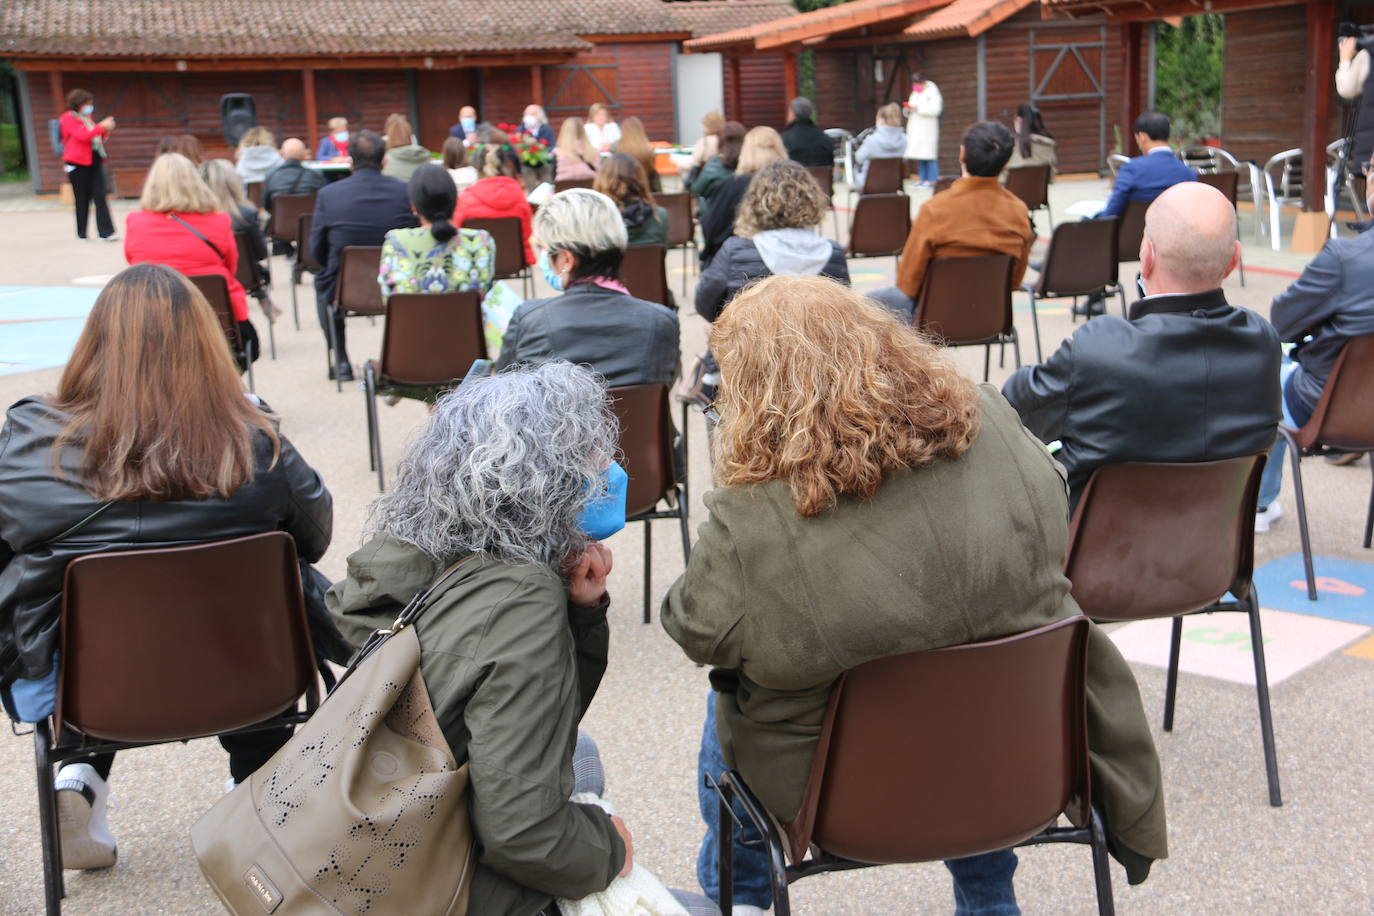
(198, 234)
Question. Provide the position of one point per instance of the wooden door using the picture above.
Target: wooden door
(438, 96)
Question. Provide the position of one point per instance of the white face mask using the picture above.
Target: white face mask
(531, 122)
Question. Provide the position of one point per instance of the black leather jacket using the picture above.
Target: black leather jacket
(738, 263)
(1188, 378)
(36, 505)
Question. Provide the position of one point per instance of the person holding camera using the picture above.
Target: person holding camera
(1351, 74)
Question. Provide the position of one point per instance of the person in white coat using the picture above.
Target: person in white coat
(923, 128)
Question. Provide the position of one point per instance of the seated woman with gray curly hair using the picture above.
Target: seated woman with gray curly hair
(514, 646)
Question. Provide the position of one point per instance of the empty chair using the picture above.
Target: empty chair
(1342, 420)
(880, 225)
(507, 232)
(825, 177)
(1284, 175)
(1081, 261)
(563, 184)
(357, 291)
(430, 340)
(939, 786)
(216, 292)
(682, 230)
(284, 226)
(646, 442)
(967, 302)
(173, 644)
(1031, 183)
(255, 282)
(1167, 540)
(645, 273)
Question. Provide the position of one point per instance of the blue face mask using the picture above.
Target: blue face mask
(605, 515)
(87, 110)
(551, 276)
(469, 124)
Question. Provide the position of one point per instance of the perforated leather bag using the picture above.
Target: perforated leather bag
(363, 811)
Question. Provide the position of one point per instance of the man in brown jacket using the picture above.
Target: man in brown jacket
(976, 216)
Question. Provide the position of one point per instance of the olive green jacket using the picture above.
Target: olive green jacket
(955, 552)
(510, 668)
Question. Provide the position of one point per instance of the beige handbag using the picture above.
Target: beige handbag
(364, 810)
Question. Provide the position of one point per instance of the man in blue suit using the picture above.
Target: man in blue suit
(1151, 173)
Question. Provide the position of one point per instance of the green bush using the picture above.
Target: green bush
(1188, 75)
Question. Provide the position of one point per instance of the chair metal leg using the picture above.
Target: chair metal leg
(1035, 323)
(370, 392)
(1102, 872)
(1171, 684)
(248, 358)
(1121, 290)
(334, 349)
(987, 360)
(1271, 763)
(53, 891)
(1016, 346)
(1369, 516)
(1295, 463)
(684, 523)
(648, 563)
(295, 281)
(271, 327)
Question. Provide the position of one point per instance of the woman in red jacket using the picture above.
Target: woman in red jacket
(83, 156)
(182, 226)
(496, 193)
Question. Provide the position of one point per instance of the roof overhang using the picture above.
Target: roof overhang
(805, 29)
(1150, 10)
(965, 19)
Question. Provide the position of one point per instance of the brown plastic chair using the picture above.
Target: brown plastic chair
(508, 235)
(173, 644)
(255, 282)
(429, 340)
(682, 231)
(1080, 261)
(938, 786)
(942, 184)
(285, 226)
(1153, 540)
(356, 291)
(645, 272)
(646, 444)
(566, 184)
(216, 292)
(884, 176)
(1130, 231)
(253, 191)
(880, 225)
(1031, 183)
(1227, 183)
(1343, 420)
(825, 177)
(966, 302)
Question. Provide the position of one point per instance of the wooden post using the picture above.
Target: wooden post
(789, 76)
(312, 118)
(1130, 82)
(1310, 229)
(537, 84)
(59, 102)
(736, 112)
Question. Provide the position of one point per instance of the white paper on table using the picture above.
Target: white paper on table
(1086, 208)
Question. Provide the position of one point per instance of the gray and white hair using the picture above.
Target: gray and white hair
(504, 468)
(802, 107)
(582, 221)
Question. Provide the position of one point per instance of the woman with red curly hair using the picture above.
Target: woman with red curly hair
(871, 501)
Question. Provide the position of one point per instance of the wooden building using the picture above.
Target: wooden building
(987, 57)
(161, 67)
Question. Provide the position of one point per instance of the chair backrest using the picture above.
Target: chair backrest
(357, 290)
(510, 243)
(912, 764)
(1158, 540)
(825, 177)
(565, 184)
(645, 272)
(248, 272)
(1227, 183)
(216, 292)
(181, 642)
(1115, 161)
(253, 191)
(1284, 173)
(881, 225)
(884, 176)
(943, 184)
(1031, 183)
(432, 338)
(1208, 159)
(646, 444)
(304, 256)
(966, 300)
(679, 207)
(286, 214)
(1130, 231)
(1081, 258)
(1344, 417)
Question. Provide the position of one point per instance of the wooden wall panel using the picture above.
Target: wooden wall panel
(763, 96)
(645, 77)
(505, 93)
(836, 87)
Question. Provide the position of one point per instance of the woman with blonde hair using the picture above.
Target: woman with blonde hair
(622, 179)
(256, 154)
(775, 233)
(403, 153)
(150, 441)
(888, 141)
(573, 157)
(634, 140)
(602, 132)
(871, 501)
(334, 145)
(762, 145)
(182, 226)
(224, 183)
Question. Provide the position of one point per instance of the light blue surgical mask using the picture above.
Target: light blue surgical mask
(341, 136)
(87, 110)
(605, 515)
(469, 124)
(551, 276)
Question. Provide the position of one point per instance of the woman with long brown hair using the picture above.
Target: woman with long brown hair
(870, 501)
(622, 179)
(150, 441)
(634, 139)
(404, 154)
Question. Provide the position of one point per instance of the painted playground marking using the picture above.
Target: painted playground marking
(41, 324)
(1345, 588)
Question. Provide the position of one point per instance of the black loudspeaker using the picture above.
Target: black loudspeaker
(237, 113)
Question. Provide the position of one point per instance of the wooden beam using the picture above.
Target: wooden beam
(842, 18)
(736, 96)
(537, 84)
(636, 38)
(789, 76)
(59, 101)
(1152, 10)
(312, 118)
(1130, 81)
(237, 64)
(1316, 109)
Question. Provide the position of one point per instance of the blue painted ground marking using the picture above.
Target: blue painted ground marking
(1345, 588)
(39, 325)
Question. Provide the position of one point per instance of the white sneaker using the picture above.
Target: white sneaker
(1266, 517)
(82, 799)
(229, 785)
(744, 909)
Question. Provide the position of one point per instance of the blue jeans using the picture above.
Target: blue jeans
(928, 170)
(982, 883)
(1295, 414)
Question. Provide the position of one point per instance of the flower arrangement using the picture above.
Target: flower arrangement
(529, 149)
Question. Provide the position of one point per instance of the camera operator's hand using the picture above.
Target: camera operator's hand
(1347, 49)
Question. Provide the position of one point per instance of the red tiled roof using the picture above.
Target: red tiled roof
(306, 28)
(965, 18)
(821, 22)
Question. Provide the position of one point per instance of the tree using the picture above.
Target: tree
(1188, 75)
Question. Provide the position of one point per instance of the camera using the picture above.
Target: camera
(1363, 35)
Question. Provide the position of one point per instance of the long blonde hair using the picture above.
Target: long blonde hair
(223, 182)
(572, 141)
(177, 428)
(825, 390)
(635, 141)
(762, 145)
(257, 135)
(174, 185)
